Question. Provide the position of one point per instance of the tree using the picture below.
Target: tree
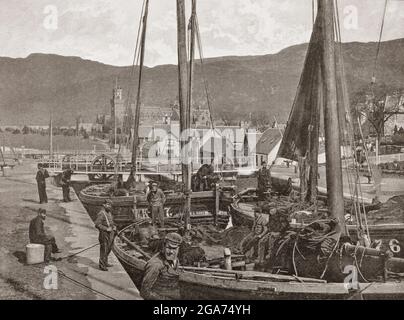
(376, 108)
(261, 120)
(25, 130)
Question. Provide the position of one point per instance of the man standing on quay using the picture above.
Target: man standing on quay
(41, 176)
(106, 226)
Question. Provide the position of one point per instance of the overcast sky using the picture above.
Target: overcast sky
(105, 30)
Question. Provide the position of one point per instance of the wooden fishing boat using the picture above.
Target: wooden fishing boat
(312, 272)
(215, 283)
(384, 235)
(125, 209)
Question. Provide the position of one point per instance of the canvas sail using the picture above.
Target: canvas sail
(304, 118)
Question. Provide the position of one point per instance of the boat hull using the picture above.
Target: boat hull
(218, 284)
(194, 286)
(124, 213)
(385, 236)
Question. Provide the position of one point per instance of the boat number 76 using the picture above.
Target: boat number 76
(394, 246)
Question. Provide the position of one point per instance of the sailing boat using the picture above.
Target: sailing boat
(316, 264)
(206, 206)
(300, 143)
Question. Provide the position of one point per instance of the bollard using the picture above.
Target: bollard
(227, 258)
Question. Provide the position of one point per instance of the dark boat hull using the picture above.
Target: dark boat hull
(134, 267)
(123, 212)
(217, 284)
(196, 286)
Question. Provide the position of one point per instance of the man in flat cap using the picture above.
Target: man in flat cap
(160, 280)
(106, 226)
(37, 235)
(156, 200)
(41, 176)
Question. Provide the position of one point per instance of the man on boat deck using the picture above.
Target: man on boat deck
(259, 229)
(118, 188)
(278, 225)
(41, 177)
(37, 235)
(106, 226)
(156, 200)
(160, 279)
(263, 182)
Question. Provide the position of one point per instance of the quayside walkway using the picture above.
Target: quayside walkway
(78, 276)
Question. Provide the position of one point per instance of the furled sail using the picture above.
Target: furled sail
(304, 118)
(302, 130)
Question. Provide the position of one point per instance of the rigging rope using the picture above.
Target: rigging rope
(313, 11)
(137, 105)
(199, 42)
(135, 61)
(357, 195)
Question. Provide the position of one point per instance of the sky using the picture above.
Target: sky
(105, 30)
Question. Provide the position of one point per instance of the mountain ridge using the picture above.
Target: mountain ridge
(33, 86)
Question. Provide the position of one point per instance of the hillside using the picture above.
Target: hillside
(30, 87)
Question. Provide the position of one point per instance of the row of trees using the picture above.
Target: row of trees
(69, 132)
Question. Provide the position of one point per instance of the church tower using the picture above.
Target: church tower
(117, 107)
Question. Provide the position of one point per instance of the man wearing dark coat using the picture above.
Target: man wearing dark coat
(106, 226)
(41, 177)
(37, 235)
(66, 177)
(263, 182)
(160, 280)
(156, 199)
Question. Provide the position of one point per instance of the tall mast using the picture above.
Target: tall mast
(137, 107)
(189, 106)
(331, 118)
(182, 97)
(50, 136)
(191, 60)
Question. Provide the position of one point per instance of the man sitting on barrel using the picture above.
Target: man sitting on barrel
(37, 235)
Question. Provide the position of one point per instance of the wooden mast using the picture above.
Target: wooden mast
(191, 61)
(51, 136)
(331, 119)
(137, 108)
(189, 108)
(184, 108)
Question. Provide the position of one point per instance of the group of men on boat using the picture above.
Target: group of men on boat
(265, 233)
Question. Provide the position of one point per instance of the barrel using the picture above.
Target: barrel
(35, 253)
(6, 171)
